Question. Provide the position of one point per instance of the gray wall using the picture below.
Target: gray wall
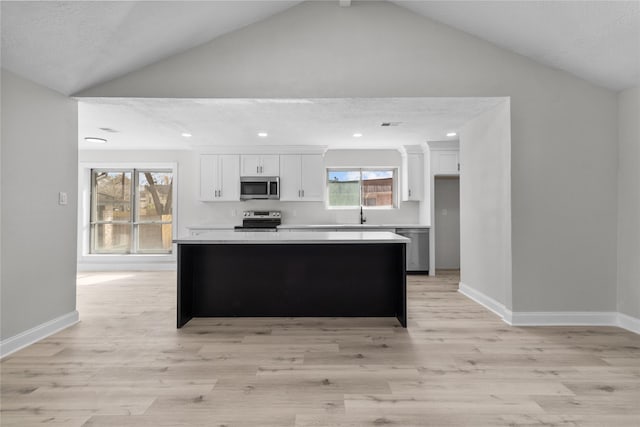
(563, 153)
(447, 222)
(485, 202)
(629, 203)
(39, 159)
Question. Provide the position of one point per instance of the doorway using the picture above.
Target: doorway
(447, 222)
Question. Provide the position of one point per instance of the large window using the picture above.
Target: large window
(131, 211)
(361, 187)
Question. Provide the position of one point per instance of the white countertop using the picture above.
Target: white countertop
(300, 237)
(354, 226)
(311, 226)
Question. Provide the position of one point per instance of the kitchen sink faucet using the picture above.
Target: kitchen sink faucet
(362, 218)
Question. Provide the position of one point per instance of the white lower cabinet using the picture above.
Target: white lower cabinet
(301, 177)
(219, 177)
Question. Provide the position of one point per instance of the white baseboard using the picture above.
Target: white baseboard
(564, 318)
(141, 266)
(629, 323)
(551, 318)
(485, 301)
(30, 336)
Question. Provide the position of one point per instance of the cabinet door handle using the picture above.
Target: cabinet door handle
(409, 192)
(303, 193)
(458, 167)
(299, 193)
(219, 193)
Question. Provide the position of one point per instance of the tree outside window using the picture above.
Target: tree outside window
(131, 211)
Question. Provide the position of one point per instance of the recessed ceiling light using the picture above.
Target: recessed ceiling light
(187, 135)
(451, 134)
(357, 135)
(95, 139)
(263, 134)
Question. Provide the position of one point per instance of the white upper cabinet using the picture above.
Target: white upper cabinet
(219, 177)
(446, 162)
(415, 177)
(229, 181)
(301, 177)
(208, 177)
(289, 177)
(260, 165)
(312, 177)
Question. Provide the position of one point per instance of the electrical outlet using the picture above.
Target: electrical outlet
(234, 212)
(62, 198)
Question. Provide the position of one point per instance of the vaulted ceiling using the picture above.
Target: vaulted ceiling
(70, 46)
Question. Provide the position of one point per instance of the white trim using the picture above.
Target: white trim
(134, 266)
(35, 334)
(565, 318)
(485, 301)
(453, 144)
(629, 323)
(267, 149)
(99, 262)
(551, 318)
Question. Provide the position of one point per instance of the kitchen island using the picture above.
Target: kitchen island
(294, 274)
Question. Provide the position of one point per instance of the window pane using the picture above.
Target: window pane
(112, 238)
(344, 188)
(154, 237)
(377, 188)
(154, 196)
(112, 196)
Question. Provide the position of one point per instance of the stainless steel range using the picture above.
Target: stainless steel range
(260, 221)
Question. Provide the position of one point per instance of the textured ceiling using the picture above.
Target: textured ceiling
(596, 40)
(159, 123)
(70, 46)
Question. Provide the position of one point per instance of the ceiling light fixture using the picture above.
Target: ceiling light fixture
(451, 134)
(95, 140)
(357, 135)
(263, 134)
(186, 135)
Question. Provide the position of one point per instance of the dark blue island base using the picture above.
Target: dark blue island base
(291, 280)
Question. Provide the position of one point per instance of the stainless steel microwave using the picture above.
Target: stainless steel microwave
(259, 187)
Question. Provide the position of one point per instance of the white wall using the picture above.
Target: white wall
(629, 202)
(485, 204)
(39, 159)
(563, 155)
(192, 212)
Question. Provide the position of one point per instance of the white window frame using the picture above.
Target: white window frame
(394, 188)
(135, 221)
(142, 261)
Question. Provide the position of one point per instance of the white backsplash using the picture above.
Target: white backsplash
(302, 213)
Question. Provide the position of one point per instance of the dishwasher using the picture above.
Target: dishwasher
(417, 249)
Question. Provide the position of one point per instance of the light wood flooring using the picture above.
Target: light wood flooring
(125, 364)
